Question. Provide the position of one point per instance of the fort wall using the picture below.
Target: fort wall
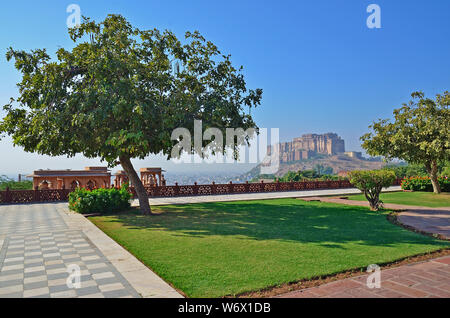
(308, 145)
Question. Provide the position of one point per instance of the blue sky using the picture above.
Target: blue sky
(321, 68)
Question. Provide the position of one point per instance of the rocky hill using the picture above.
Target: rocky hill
(338, 163)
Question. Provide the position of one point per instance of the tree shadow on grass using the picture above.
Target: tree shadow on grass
(329, 225)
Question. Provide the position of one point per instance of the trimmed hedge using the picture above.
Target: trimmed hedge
(424, 184)
(99, 200)
(371, 182)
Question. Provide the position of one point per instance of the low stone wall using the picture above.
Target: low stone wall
(31, 196)
(234, 188)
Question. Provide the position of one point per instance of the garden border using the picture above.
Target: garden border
(61, 195)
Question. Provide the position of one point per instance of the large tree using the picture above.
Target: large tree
(116, 94)
(420, 133)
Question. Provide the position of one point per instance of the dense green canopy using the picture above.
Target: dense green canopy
(420, 133)
(120, 92)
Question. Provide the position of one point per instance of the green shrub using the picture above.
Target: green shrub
(99, 200)
(6, 182)
(371, 182)
(424, 184)
(407, 170)
(312, 175)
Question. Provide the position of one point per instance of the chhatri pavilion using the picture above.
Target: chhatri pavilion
(91, 178)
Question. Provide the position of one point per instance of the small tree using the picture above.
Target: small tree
(420, 134)
(319, 169)
(371, 182)
(120, 93)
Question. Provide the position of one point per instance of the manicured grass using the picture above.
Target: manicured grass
(217, 249)
(428, 199)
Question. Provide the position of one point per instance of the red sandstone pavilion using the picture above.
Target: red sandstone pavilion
(91, 178)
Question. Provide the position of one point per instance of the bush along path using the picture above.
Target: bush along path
(424, 184)
(99, 201)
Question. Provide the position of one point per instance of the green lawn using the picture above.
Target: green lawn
(217, 249)
(428, 199)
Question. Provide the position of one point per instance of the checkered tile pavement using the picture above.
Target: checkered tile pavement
(30, 218)
(37, 251)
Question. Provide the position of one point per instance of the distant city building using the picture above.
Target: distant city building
(309, 145)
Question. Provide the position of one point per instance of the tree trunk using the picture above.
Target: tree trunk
(144, 205)
(374, 199)
(433, 171)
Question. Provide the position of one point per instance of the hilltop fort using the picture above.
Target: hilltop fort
(309, 150)
(310, 145)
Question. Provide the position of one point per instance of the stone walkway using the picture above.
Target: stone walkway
(40, 242)
(255, 196)
(429, 220)
(430, 279)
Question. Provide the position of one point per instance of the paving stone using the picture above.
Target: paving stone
(32, 262)
(9, 283)
(12, 267)
(54, 266)
(99, 295)
(444, 260)
(13, 259)
(37, 245)
(11, 272)
(58, 288)
(116, 293)
(57, 282)
(5, 278)
(35, 285)
(36, 292)
(105, 281)
(33, 269)
(96, 266)
(34, 274)
(91, 290)
(33, 257)
(417, 280)
(111, 287)
(30, 280)
(57, 270)
(12, 263)
(12, 295)
(10, 289)
(57, 276)
(64, 294)
(437, 292)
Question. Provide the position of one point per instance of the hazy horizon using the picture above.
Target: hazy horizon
(320, 67)
(30, 162)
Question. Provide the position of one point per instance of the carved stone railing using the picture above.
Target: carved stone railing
(29, 196)
(236, 188)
